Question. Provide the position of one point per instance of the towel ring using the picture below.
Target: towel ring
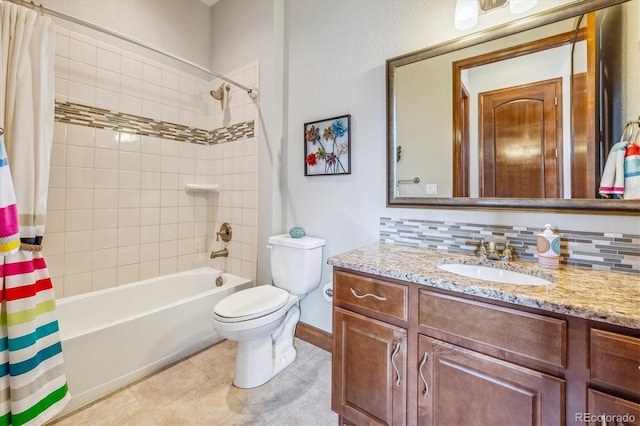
(624, 137)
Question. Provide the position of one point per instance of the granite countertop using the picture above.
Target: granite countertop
(610, 297)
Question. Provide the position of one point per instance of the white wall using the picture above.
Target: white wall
(180, 27)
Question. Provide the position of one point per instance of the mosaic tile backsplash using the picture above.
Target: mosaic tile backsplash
(597, 250)
(73, 113)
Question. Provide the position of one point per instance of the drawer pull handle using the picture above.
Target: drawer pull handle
(425, 358)
(393, 363)
(354, 291)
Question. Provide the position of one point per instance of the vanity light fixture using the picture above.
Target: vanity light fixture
(467, 11)
(521, 6)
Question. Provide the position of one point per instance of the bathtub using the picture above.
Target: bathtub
(115, 336)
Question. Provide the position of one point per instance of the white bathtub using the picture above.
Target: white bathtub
(115, 336)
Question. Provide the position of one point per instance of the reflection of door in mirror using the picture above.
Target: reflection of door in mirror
(583, 177)
(532, 129)
(461, 150)
(521, 141)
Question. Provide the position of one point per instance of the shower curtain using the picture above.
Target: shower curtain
(33, 386)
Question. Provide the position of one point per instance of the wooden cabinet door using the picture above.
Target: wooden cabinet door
(369, 370)
(605, 409)
(457, 386)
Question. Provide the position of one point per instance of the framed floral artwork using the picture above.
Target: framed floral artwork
(327, 146)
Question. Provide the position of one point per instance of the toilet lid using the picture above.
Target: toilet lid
(252, 303)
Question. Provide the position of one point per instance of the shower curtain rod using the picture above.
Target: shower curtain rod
(252, 92)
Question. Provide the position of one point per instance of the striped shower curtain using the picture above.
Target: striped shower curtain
(33, 386)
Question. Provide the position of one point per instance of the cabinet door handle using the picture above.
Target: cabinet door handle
(354, 291)
(393, 362)
(425, 358)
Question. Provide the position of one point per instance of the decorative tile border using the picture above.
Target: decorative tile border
(233, 133)
(67, 112)
(597, 250)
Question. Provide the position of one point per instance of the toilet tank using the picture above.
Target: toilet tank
(296, 263)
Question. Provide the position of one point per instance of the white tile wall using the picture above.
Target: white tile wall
(118, 213)
(237, 203)
(117, 209)
(93, 73)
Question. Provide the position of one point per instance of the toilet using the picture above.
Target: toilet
(262, 319)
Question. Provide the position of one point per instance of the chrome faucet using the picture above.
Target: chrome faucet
(492, 253)
(482, 249)
(507, 253)
(220, 253)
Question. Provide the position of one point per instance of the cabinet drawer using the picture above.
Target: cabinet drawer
(370, 294)
(607, 409)
(495, 330)
(615, 360)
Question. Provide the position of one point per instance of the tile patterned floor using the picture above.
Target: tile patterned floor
(198, 391)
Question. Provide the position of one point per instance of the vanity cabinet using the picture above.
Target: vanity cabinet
(410, 354)
(369, 368)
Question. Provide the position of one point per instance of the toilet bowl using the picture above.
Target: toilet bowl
(243, 314)
(266, 314)
(262, 319)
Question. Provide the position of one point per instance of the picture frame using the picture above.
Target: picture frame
(327, 146)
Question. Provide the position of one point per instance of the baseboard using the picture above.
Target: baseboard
(314, 335)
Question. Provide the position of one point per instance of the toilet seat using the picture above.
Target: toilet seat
(250, 303)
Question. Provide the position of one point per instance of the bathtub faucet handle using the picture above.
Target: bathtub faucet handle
(225, 233)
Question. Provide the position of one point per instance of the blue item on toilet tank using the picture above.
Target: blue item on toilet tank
(297, 232)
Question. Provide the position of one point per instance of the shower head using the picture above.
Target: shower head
(218, 93)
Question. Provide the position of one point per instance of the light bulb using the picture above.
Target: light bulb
(466, 15)
(521, 6)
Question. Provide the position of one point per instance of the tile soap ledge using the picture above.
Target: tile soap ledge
(609, 297)
(202, 187)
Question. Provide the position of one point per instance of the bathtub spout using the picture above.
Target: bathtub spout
(220, 253)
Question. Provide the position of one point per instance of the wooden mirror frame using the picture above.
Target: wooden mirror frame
(586, 206)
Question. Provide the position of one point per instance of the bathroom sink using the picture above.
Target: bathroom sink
(488, 273)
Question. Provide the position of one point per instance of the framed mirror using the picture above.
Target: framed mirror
(569, 99)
